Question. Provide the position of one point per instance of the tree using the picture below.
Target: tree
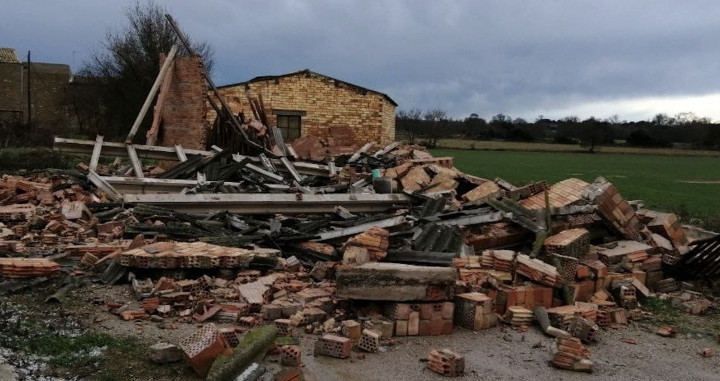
(438, 122)
(593, 133)
(409, 122)
(129, 63)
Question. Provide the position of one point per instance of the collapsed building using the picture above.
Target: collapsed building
(356, 248)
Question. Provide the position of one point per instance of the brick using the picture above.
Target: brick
(446, 363)
(333, 346)
(290, 355)
(369, 341)
(284, 327)
(202, 347)
(351, 329)
(413, 323)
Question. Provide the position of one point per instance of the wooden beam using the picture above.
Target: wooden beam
(64, 145)
(271, 203)
(180, 153)
(359, 152)
(136, 165)
(151, 136)
(99, 182)
(97, 147)
(386, 223)
(151, 94)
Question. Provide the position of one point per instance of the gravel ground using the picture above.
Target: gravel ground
(498, 353)
(504, 354)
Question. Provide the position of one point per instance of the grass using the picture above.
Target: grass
(79, 351)
(686, 185)
(16, 159)
(490, 145)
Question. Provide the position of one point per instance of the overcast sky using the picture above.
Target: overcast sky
(522, 58)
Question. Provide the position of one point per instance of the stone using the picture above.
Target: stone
(165, 353)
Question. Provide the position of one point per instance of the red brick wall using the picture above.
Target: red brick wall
(183, 115)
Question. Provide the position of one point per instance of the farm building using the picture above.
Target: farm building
(306, 103)
(300, 104)
(46, 95)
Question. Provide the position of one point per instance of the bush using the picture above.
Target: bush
(16, 159)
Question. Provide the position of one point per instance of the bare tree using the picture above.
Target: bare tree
(129, 62)
(438, 119)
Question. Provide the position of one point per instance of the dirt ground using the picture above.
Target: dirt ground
(496, 354)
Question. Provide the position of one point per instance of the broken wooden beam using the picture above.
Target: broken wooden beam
(386, 223)
(261, 203)
(64, 145)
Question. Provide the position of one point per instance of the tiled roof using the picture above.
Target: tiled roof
(8, 55)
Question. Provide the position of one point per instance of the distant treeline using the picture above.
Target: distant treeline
(684, 130)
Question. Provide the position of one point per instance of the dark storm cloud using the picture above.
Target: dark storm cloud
(516, 57)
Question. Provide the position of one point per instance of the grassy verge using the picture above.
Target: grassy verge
(685, 185)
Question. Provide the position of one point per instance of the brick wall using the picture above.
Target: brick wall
(11, 92)
(326, 103)
(48, 93)
(183, 115)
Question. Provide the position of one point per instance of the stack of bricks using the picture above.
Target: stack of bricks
(615, 209)
(519, 316)
(562, 316)
(369, 341)
(572, 355)
(28, 267)
(333, 346)
(422, 319)
(375, 240)
(446, 363)
(191, 255)
(474, 311)
(570, 242)
(17, 212)
(537, 270)
(500, 260)
(183, 115)
(528, 296)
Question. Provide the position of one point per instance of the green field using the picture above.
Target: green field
(689, 186)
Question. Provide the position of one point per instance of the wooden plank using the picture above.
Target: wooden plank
(180, 153)
(386, 223)
(288, 165)
(65, 145)
(151, 136)
(136, 165)
(264, 203)
(359, 152)
(97, 147)
(151, 94)
(110, 192)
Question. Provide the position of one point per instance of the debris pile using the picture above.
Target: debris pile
(370, 245)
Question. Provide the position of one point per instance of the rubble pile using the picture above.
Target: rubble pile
(357, 249)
